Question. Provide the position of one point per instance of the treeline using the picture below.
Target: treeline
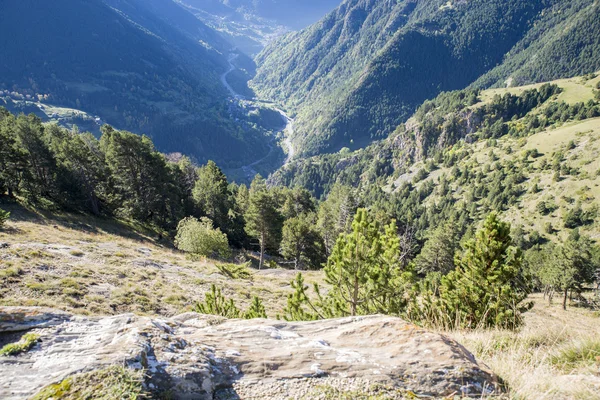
(122, 175)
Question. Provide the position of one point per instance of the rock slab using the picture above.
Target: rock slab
(195, 356)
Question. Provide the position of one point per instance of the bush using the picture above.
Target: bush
(199, 237)
(25, 344)
(4, 216)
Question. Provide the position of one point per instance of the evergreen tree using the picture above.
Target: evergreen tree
(335, 214)
(256, 310)
(438, 252)
(263, 220)
(487, 288)
(301, 241)
(211, 194)
(216, 304)
(140, 176)
(299, 305)
(13, 157)
(4, 216)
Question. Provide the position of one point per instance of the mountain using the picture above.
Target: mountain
(361, 71)
(251, 25)
(529, 152)
(147, 66)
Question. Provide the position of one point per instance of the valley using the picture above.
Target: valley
(316, 199)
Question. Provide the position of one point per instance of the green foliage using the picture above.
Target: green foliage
(4, 216)
(24, 345)
(487, 289)
(236, 271)
(216, 304)
(300, 307)
(564, 267)
(438, 252)
(198, 237)
(364, 271)
(263, 220)
(116, 382)
(256, 309)
(211, 194)
(302, 243)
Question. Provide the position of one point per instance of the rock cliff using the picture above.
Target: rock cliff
(194, 356)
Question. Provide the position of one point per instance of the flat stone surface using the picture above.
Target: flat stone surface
(195, 356)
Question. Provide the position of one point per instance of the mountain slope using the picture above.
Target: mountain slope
(126, 62)
(361, 71)
(565, 42)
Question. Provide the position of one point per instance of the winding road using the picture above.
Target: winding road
(288, 129)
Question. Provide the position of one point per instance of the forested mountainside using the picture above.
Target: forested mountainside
(361, 71)
(526, 151)
(145, 66)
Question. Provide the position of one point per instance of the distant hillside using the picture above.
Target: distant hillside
(362, 70)
(295, 14)
(251, 25)
(146, 66)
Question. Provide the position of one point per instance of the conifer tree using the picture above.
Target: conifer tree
(216, 304)
(301, 242)
(4, 216)
(256, 310)
(486, 289)
(211, 194)
(263, 220)
(438, 252)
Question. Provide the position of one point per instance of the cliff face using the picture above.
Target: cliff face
(194, 356)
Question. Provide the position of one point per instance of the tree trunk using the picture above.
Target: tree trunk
(565, 299)
(354, 297)
(262, 251)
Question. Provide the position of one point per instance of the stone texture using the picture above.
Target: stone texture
(196, 356)
(15, 319)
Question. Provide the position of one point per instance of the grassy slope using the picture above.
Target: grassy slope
(93, 266)
(554, 357)
(584, 187)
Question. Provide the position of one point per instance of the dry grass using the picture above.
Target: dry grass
(95, 266)
(88, 266)
(552, 357)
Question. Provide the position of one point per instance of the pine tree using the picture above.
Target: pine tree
(4, 216)
(438, 252)
(487, 288)
(301, 242)
(256, 310)
(216, 304)
(299, 305)
(263, 221)
(211, 194)
(353, 257)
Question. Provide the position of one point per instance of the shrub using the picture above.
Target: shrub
(216, 304)
(4, 216)
(198, 237)
(236, 271)
(25, 344)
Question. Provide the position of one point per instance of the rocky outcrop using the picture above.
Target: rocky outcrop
(196, 356)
